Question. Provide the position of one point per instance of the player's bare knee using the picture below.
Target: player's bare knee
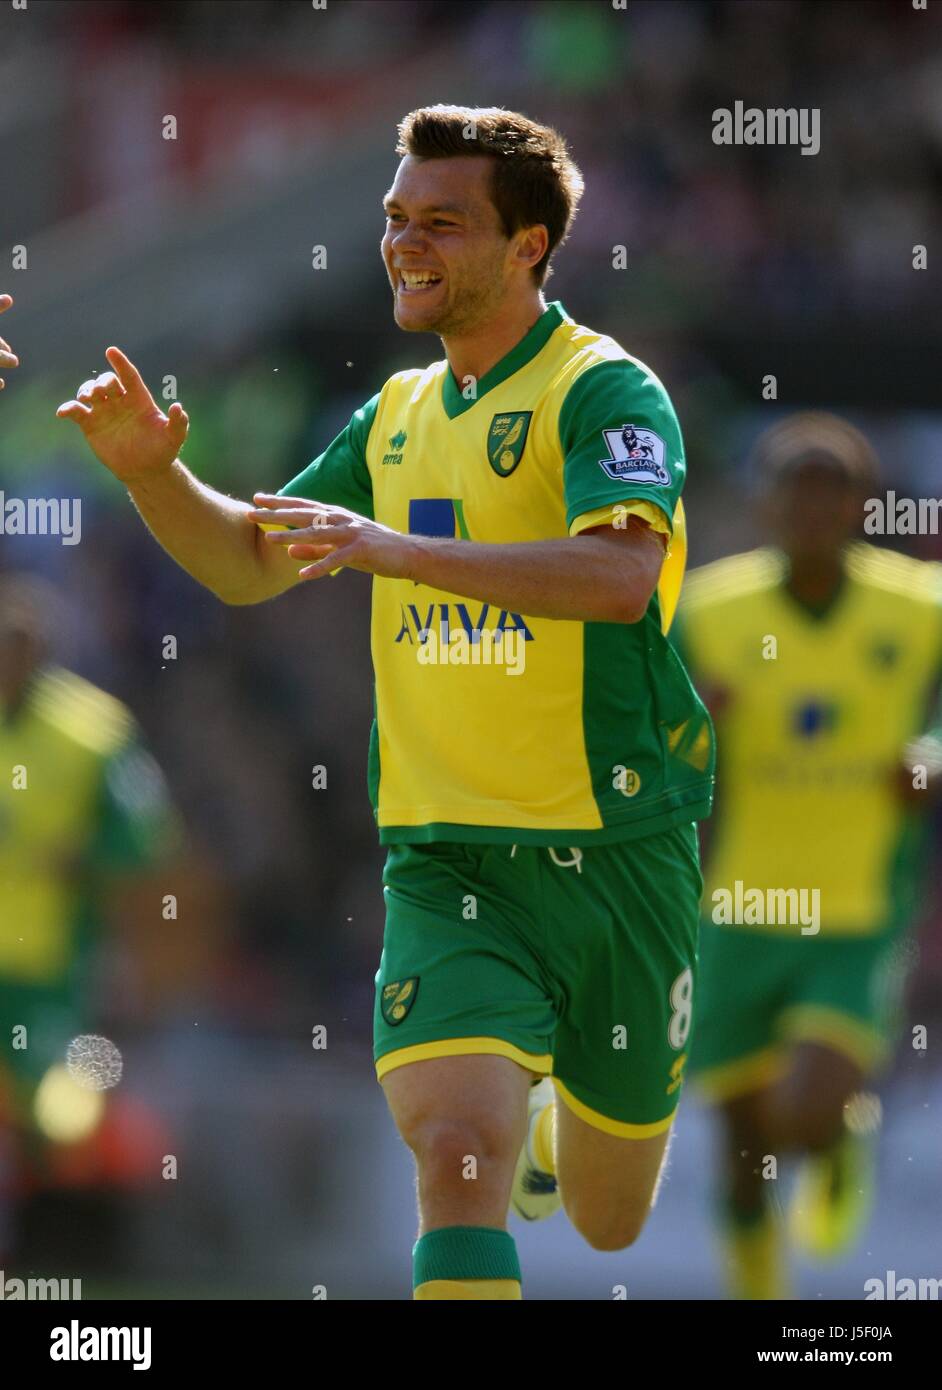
(460, 1148)
(617, 1235)
(608, 1229)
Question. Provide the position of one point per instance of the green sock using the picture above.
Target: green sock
(465, 1262)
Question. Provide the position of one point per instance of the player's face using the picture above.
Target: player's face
(813, 510)
(444, 249)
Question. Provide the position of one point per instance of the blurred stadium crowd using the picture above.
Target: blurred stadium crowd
(741, 262)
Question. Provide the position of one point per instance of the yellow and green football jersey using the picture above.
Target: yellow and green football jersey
(815, 714)
(79, 797)
(600, 736)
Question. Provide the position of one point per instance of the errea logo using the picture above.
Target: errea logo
(396, 441)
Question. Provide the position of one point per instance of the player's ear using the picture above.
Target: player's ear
(532, 245)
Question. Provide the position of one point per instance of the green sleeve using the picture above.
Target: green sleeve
(138, 826)
(620, 440)
(340, 476)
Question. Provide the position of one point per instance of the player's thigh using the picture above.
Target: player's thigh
(450, 1109)
(623, 953)
(811, 1094)
(461, 970)
(626, 957)
(608, 1183)
(816, 1069)
(837, 1031)
(846, 1009)
(740, 1119)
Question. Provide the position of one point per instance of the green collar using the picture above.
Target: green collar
(530, 344)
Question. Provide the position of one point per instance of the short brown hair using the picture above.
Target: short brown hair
(535, 179)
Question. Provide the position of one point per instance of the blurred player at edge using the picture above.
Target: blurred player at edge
(83, 815)
(542, 882)
(820, 757)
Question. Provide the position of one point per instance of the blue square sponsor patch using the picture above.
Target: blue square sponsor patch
(431, 516)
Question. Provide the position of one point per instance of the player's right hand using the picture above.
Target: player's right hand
(8, 357)
(123, 423)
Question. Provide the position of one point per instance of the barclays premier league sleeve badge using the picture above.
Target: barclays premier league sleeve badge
(636, 455)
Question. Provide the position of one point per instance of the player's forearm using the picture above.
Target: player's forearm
(581, 578)
(209, 535)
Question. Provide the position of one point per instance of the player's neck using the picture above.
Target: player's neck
(814, 580)
(12, 700)
(473, 354)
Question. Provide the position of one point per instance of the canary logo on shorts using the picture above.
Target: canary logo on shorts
(677, 1074)
(398, 998)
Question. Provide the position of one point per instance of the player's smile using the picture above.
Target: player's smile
(420, 294)
(417, 283)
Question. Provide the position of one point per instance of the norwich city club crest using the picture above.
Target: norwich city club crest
(397, 999)
(505, 440)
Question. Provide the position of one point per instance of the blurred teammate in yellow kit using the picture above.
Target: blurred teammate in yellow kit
(83, 807)
(820, 660)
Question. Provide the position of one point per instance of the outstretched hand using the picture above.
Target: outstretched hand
(123, 423)
(332, 537)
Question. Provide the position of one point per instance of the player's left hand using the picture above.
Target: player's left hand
(332, 537)
(8, 357)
